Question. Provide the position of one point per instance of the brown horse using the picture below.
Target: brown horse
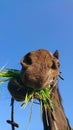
(39, 69)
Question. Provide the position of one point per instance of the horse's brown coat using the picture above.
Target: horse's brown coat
(40, 69)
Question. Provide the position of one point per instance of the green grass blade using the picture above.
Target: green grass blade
(30, 117)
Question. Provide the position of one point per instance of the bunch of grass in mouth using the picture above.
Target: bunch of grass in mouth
(44, 95)
(6, 74)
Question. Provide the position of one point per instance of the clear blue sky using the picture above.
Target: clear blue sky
(27, 25)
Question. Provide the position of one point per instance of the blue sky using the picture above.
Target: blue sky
(29, 25)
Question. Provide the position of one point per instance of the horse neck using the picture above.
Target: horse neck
(60, 122)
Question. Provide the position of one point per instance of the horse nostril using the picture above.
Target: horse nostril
(54, 65)
(53, 78)
(27, 59)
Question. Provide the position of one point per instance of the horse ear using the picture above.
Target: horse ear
(56, 54)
